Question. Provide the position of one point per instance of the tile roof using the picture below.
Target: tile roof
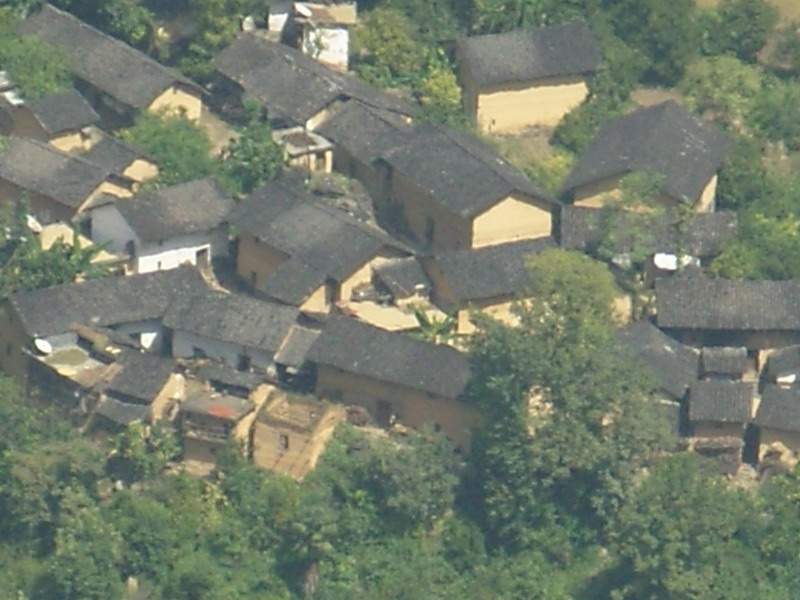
(37, 167)
(403, 276)
(365, 132)
(61, 112)
(686, 302)
(104, 302)
(292, 86)
(721, 401)
(293, 282)
(663, 140)
(294, 352)
(525, 55)
(122, 413)
(705, 235)
(722, 360)
(124, 73)
(221, 374)
(782, 362)
(115, 154)
(232, 318)
(395, 358)
(142, 376)
(779, 408)
(194, 207)
(322, 241)
(490, 272)
(461, 173)
(674, 365)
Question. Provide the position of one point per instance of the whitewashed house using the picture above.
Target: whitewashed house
(243, 332)
(181, 224)
(323, 31)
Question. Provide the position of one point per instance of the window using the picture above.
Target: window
(9, 349)
(430, 230)
(437, 427)
(283, 441)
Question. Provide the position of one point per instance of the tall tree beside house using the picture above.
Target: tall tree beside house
(36, 68)
(740, 28)
(181, 149)
(25, 265)
(252, 159)
(568, 422)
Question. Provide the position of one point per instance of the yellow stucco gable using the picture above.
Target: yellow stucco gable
(176, 98)
(596, 194)
(510, 108)
(510, 220)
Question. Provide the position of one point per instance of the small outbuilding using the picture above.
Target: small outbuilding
(526, 77)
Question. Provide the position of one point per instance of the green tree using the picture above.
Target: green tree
(87, 552)
(495, 16)
(252, 159)
(578, 128)
(142, 452)
(387, 53)
(741, 28)
(686, 535)
(568, 421)
(35, 67)
(127, 20)
(743, 179)
(181, 149)
(776, 113)
(25, 265)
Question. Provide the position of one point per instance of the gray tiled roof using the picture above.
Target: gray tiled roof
(292, 86)
(403, 276)
(122, 413)
(461, 173)
(529, 54)
(721, 401)
(779, 408)
(323, 242)
(722, 360)
(141, 378)
(674, 365)
(64, 111)
(719, 304)
(490, 272)
(706, 234)
(194, 207)
(216, 404)
(65, 178)
(663, 140)
(293, 282)
(221, 374)
(114, 154)
(395, 358)
(122, 72)
(294, 352)
(365, 132)
(232, 318)
(783, 361)
(104, 302)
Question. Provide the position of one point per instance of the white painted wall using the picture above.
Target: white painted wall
(328, 45)
(171, 254)
(184, 343)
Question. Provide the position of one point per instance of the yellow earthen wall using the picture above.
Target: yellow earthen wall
(706, 201)
(515, 218)
(790, 439)
(73, 141)
(257, 257)
(178, 99)
(703, 429)
(510, 108)
(141, 170)
(317, 301)
(412, 407)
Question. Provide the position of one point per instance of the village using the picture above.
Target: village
(269, 319)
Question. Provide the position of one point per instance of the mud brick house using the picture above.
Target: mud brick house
(180, 224)
(122, 159)
(395, 377)
(487, 279)
(300, 252)
(60, 119)
(664, 141)
(118, 80)
(526, 77)
(719, 408)
(451, 191)
(56, 185)
(778, 419)
(133, 307)
(293, 89)
(241, 331)
(290, 433)
(759, 315)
